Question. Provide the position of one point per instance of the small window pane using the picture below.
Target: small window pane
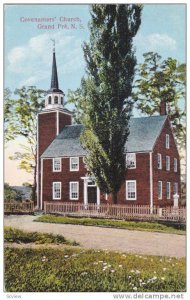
(56, 164)
(73, 190)
(167, 163)
(167, 141)
(131, 190)
(160, 190)
(74, 163)
(168, 190)
(49, 100)
(175, 165)
(159, 161)
(56, 190)
(131, 160)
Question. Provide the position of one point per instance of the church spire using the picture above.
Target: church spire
(54, 77)
(55, 96)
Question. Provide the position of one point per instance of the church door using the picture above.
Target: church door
(92, 195)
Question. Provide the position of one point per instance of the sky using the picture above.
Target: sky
(28, 49)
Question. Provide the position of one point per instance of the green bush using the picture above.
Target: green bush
(130, 225)
(11, 194)
(76, 270)
(20, 236)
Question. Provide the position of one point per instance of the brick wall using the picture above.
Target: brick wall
(47, 127)
(163, 175)
(64, 119)
(65, 176)
(47, 131)
(141, 175)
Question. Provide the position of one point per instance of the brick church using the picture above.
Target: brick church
(152, 158)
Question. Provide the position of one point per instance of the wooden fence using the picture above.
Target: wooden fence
(19, 207)
(173, 213)
(113, 211)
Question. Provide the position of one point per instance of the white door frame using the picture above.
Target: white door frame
(86, 180)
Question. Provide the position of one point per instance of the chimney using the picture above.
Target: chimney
(163, 108)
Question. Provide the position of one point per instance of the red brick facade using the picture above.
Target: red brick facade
(47, 131)
(142, 172)
(65, 176)
(142, 176)
(47, 127)
(162, 174)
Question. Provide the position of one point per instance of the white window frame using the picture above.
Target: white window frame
(54, 160)
(160, 195)
(159, 161)
(175, 165)
(167, 163)
(167, 141)
(77, 169)
(168, 190)
(54, 196)
(127, 196)
(70, 190)
(134, 156)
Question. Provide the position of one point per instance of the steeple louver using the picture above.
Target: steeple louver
(54, 97)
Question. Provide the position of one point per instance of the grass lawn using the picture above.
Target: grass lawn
(19, 236)
(131, 225)
(77, 270)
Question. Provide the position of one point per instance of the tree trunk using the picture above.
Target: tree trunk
(113, 197)
(34, 189)
(34, 183)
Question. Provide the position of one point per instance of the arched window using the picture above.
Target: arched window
(55, 100)
(49, 100)
(62, 100)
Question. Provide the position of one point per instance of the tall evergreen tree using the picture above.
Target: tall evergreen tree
(102, 102)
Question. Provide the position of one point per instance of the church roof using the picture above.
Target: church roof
(143, 134)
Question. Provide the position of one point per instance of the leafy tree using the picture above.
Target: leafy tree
(20, 116)
(11, 194)
(162, 80)
(102, 104)
(27, 184)
(7, 114)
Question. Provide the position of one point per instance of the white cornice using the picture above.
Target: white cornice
(61, 110)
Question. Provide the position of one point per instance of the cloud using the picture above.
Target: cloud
(15, 55)
(29, 81)
(155, 42)
(32, 61)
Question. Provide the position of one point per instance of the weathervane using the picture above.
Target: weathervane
(53, 44)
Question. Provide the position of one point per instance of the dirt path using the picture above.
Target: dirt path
(38, 246)
(131, 241)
